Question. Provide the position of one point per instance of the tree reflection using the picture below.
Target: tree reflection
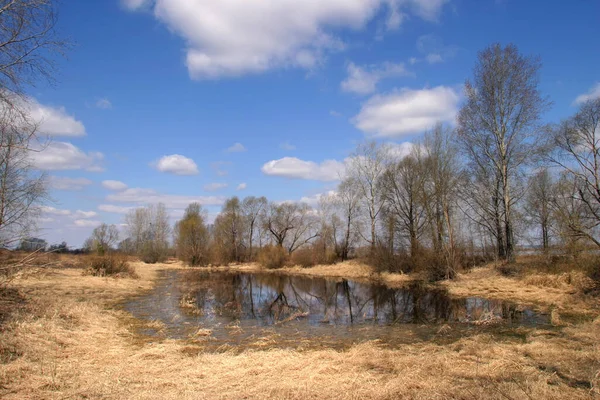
(272, 298)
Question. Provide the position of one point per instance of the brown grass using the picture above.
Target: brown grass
(71, 342)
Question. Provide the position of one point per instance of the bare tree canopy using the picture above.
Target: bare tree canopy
(499, 124)
(191, 236)
(28, 43)
(577, 152)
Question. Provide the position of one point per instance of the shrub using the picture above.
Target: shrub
(272, 257)
(431, 265)
(110, 265)
(303, 257)
(509, 269)
(383, 260)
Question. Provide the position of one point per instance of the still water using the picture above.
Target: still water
(245, 309)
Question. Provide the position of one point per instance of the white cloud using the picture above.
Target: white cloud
(86, 223)
(407, 112)
(593, 93)
(237, 37)
(413, 60)
(54, 211)
(241, 186)
(434, 58)
(143, 196)
(84, 214)
(111, 208)
(287, 146)
(313, 200)
(434, 50)
(213, 187)
(292, 167)
(114, 185)
(236, 148)
(66, 156)
(334, 113)
(401, 150)
(51, 121)
(64, 183)
(104, 104)
(177, 164)
(135, 4)
(363, 80)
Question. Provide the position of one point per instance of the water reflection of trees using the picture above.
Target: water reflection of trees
(270, 298)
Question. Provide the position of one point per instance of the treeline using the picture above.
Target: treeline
(461, 195)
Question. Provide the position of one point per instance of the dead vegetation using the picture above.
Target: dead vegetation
(67, 340)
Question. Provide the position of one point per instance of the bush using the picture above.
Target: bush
(111, 265)
(272, 257)
(303, 257)
(431, 265)
(381, 259)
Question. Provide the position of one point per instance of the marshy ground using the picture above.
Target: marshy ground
(68, 335)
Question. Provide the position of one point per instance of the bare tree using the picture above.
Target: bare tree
(149, 230)
(103, 238)
(500, 120)
(442, 169)
(253, 208)
(22, 189)
(365, 167)
(229, 231)
(291, 225)
(538, 203)
(577, 152)
(347, 202)
(401, 189)
(28, 44)
(191, 236)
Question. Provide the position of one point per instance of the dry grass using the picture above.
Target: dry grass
(72, 343)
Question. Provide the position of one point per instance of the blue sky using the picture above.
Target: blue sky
(182, 100)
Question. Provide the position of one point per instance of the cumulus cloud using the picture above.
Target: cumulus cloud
(66, 156)
(177, 164)
(313, 200)
(241, 186)
(64, 183)
(363, 80)
(401, 150)
(51, 121)
(104, 104)
(111, 208)
(292, 167)
(229, 38)
(407, 112)
(114, 185)
(84, 214)
(236, 148)
(593, 93)
(213, 187)
(86, 223)
(79, 214)
(143, 196)
(54, 211)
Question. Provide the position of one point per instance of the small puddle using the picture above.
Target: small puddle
(274, 310)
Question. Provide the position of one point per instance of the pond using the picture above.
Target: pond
(269, 309)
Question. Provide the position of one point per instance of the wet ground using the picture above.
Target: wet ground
(241, 310)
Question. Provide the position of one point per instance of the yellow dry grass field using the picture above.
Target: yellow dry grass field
(67, 340)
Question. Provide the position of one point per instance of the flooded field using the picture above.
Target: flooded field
(243, 309)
